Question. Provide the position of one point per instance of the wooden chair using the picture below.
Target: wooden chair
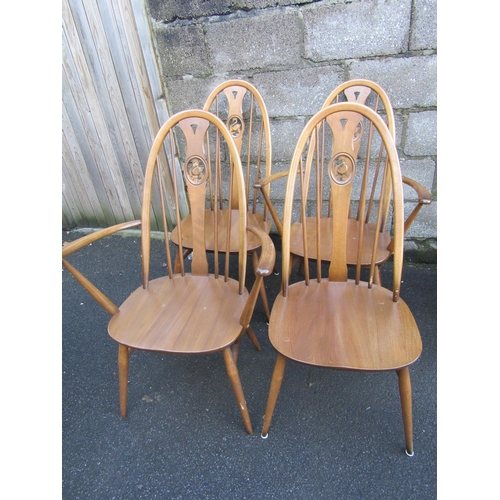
(331, 319)
(200, 311)
(241, 107)
(371, 94)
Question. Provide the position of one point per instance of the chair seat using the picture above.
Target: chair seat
(297, 246)
(344, 325)
(256, 220)
(190, 314)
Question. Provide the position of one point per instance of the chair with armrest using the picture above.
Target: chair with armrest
(241, 107)
(200, 310)
(372, 95)
(337, 317)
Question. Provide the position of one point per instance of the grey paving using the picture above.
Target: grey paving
(334, 434)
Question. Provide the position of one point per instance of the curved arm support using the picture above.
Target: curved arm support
(73, 246)
(261, 184)
(268, 252)
(70, 247)
(264, 181)
(264, 268)
(424, 198)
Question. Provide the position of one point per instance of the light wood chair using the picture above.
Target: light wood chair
(203, 310)
(372, 95)
(241, 107)
(335, 318)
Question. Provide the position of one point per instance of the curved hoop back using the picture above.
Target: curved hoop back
(241, 107)
(323, 180)
(196, 139)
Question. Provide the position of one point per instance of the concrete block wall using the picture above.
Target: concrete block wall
(296, 53)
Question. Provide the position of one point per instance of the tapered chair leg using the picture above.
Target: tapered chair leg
(234, 378)
(253, 338)
(406, 407)
(279, 370)
(123, 359)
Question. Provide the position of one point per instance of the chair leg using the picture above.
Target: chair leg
(377, 278)
(235, 349)
(234, 378)
(123, 358)
(253, 338)
(265, 304)
(279, 370)
(406, 407)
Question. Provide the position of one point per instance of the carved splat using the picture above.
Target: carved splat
(235, 123)
(194, 130)
(347, 130)
(196, 174)
(358, 93)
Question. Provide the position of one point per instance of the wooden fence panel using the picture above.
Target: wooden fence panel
(113, 106)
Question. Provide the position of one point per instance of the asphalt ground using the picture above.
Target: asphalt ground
(334, 434)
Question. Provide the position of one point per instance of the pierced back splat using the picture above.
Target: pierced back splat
(196, 170)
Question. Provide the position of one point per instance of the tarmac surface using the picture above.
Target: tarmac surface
(334, 434)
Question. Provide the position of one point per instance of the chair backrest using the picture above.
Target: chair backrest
(194, 141)
(241, 107)
(324, 178)
(370, 94)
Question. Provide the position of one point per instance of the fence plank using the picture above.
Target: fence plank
(114, 113)
(94, 124)
(110, 112)
(78, 177)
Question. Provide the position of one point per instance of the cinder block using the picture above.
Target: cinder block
(284, 136)
(297, 92)
(424, 25)
(180, 9)
(167, 11)
(408, 81)
(358, 29)
(182, 50)
(189, 93)
(266, 39)
(421, 134)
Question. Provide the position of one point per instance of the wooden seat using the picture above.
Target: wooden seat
(196, 311)
(241, 107)
(336, 318)
(371, 94)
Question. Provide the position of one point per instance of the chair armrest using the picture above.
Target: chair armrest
(70, 247)
(261, 184)
(267, 258)
(264, 268)
(424, 197)
(264, 181)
